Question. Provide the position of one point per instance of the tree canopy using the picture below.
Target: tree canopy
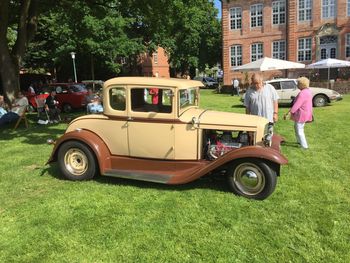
(39, 34)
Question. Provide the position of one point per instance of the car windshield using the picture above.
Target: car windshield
(78, 88)
(188, 97)
(210, 79)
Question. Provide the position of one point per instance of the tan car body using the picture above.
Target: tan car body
(164, 147)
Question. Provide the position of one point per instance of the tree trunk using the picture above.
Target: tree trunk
(9, 71)
(10, 60)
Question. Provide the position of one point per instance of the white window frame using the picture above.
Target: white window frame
(304, 10)
(257, 54)
(347, 45)
(256, 13)
(279, 49)
(279, 11)
(305, 50)
(236, 55)
(155, 57)
(328, 8)
(235, 18)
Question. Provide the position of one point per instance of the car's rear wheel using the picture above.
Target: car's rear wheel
(320, 101)
(252, 178)
(67, 108)
(76, 161)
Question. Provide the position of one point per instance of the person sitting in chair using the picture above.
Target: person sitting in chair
(17, 109)
(51, 106)
(93, 103)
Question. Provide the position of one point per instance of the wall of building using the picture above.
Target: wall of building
(291, 31)
(155, 65)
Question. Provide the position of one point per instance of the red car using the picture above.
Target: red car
(69, 95)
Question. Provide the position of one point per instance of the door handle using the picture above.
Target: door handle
(130, 119)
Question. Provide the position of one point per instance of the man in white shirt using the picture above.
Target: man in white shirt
(18, 107)
(262, 100)
(235, 87)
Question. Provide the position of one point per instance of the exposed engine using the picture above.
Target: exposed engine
(220, 142)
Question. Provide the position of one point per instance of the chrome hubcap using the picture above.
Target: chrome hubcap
(76, 161)
(249, 178)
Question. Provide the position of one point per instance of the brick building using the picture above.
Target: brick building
(297, 30)
(156, 64)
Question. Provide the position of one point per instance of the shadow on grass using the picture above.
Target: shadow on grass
(213, 181)
(240, 106)
(290, 144)
(36, 134)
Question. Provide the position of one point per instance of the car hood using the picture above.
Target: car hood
(222, 120)
(316, 90)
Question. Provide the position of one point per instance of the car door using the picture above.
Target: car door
(151, 132)
(289, 90)
(115, 129)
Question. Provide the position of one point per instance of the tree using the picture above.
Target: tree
(25, 15)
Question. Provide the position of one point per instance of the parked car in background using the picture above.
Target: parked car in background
(169, 139)
(287, 90)
(69, 95)
(209, 83)
(95, 85)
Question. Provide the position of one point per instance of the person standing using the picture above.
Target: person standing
(301, 111)
(262, 100)
(235, 87)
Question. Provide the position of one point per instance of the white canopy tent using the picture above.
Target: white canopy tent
(329, 63)
(266, 64)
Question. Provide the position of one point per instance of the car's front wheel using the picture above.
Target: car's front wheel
(76, 161)
(320, 101)
(252, 178)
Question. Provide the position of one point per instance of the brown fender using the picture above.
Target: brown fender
(100, 149)
(259, 152)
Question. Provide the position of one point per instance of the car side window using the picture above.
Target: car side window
(276, 85)
(117, 98)
(151, 100)
(289, 85)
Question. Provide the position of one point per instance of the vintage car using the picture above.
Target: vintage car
(152, 129)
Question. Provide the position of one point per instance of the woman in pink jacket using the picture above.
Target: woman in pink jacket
(301, 111)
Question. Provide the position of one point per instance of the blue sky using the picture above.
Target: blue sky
(218, 6)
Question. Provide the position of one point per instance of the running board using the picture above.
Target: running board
(136, 175)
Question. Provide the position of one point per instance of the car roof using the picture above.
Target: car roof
(281, 79)
(152, 81)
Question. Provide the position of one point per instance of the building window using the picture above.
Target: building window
(304, 10)
(348, 7)
(256, 15)
(304, 49)
(279, 49)
(347, 45)
(278, 12)
(328, 8)
(236, 55)
(235, 18)
(155, 57)
(256, 51)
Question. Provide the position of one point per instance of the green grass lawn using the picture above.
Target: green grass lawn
(45, 218)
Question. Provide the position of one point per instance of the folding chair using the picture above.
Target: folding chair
(40, 102)
(22, 117)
